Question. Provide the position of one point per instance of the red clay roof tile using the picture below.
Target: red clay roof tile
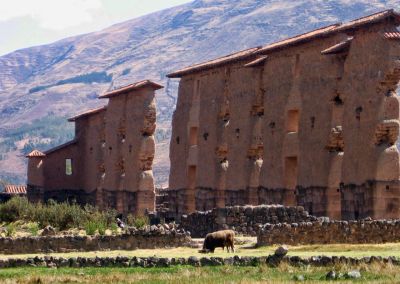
(35, 153)
(14, 189)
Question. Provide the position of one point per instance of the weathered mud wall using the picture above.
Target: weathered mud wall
(110, 158)
(313, 124)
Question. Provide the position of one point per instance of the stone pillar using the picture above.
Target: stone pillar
(256, 150)
(386, 191)
(145, 201)
(120, 202)
(190, 200)
(333, 208)
(145, 197)
(220, 193)
(99, 198)
(255, 181)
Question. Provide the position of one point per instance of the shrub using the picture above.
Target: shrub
(91, 228)
(141, 221)
(126, 71)
(130, 220)
(101, 228)
(114, 228)
(33, 229)
(10, 230)
(16, 208)
(58, 215)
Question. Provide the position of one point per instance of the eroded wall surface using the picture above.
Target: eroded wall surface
(111, 158)
(302, 128)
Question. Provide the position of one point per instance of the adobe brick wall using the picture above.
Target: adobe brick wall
(246, 220)
(302, 127)
(111, 156)
(150, 238)
(332, 232)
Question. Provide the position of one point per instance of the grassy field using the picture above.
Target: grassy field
(390, 249)
(374, 273)
(185, 274)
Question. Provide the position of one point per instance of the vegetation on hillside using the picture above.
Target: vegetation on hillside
(88, 78)
(41, 134)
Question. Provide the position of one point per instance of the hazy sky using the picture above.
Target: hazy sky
(24, 23)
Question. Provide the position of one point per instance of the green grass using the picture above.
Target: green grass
(187, 274)
(390, 249)
(373, 273)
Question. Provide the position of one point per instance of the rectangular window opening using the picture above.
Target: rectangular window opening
(193, 136)
(68, 167)
(293, 120)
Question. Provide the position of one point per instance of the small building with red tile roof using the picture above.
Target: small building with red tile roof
(10, 191)
(109, 162)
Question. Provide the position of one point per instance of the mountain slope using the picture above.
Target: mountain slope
(40, 85)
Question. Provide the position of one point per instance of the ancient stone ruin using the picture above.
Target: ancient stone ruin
(309, 121)
(312, 120)
(246, 220)
(149, 237)
(109, 163)
(330, 232)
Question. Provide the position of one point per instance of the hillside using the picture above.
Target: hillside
(41, 86)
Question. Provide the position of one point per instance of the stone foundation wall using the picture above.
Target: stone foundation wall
(38, 194)
(148, 238)
(243, 219)
(331, 232)
(149, 262)
(313, 199)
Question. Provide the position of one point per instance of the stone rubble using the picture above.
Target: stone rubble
(246, 220)
(148, 262)
(330, 232)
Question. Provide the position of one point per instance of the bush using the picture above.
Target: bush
(16, 208)
(114, 228)
(91, 228)
(141, 221)
(58, 215)
(10, 230)
(33, 229)
(101, 228)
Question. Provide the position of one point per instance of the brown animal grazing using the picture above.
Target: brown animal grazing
(219, 239)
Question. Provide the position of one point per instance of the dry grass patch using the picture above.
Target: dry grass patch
(246, 249)
(375, 273)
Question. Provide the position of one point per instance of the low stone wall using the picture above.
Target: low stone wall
(161, 236)
(246, 220)
(148, 262)
(331, 232)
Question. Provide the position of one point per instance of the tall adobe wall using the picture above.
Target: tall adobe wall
(314, 124)
(110, 160)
